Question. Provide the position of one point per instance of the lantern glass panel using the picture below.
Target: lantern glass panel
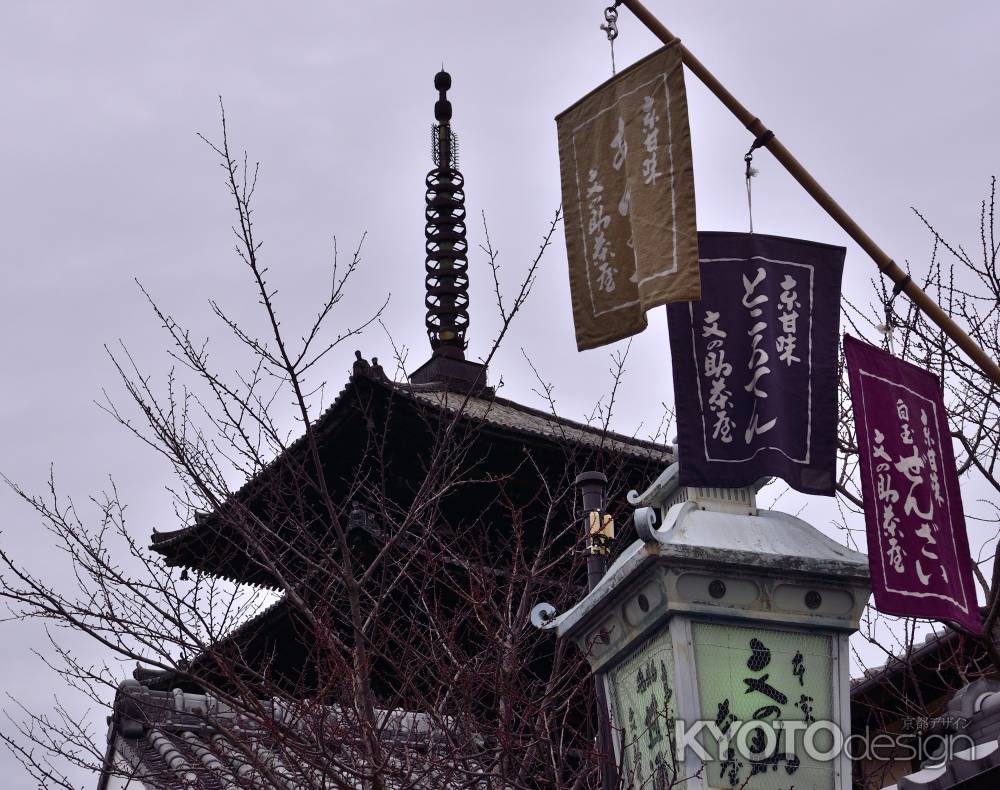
(765, 676)
(642, 688)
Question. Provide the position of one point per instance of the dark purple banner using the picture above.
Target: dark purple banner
(755, 363)
(917, 547)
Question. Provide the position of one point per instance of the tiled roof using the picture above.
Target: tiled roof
(973, 720)
(517, 417)
(162, 740)
(896, 665)
(488, 410)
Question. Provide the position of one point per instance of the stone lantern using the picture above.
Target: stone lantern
(722, 638)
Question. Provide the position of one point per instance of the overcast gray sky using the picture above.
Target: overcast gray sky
(103, 180)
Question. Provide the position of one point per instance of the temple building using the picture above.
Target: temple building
(937, 689)
(463, 503)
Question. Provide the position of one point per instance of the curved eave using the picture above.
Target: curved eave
(192, 546)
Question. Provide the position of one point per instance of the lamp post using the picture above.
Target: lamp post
(599, 530)
(721, 636)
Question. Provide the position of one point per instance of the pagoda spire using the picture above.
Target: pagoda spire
(447, 278)
(446, 265)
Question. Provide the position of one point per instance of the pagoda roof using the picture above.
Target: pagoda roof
(502, 420)
(515, 417)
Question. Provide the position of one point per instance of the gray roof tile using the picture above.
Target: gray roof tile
(975, 761)
(172, 740)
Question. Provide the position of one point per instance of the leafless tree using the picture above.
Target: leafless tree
(407, 600)
(411, 601)
(965, 281)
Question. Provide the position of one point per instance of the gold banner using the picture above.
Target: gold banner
(628, 199)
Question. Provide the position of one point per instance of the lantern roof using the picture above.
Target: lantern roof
(767, 543)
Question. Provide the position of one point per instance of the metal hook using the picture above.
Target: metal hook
(762, 140)
(611, 18)
(611, 29)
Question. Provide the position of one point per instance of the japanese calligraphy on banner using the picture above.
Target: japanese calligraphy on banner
(917, 547)
(755, 363)
(628, 198)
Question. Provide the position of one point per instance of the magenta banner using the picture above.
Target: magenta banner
(917, 547)
(755, 363)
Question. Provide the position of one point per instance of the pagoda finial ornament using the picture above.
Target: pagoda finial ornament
(447, 263)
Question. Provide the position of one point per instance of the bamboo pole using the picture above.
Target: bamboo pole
(885, 264)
